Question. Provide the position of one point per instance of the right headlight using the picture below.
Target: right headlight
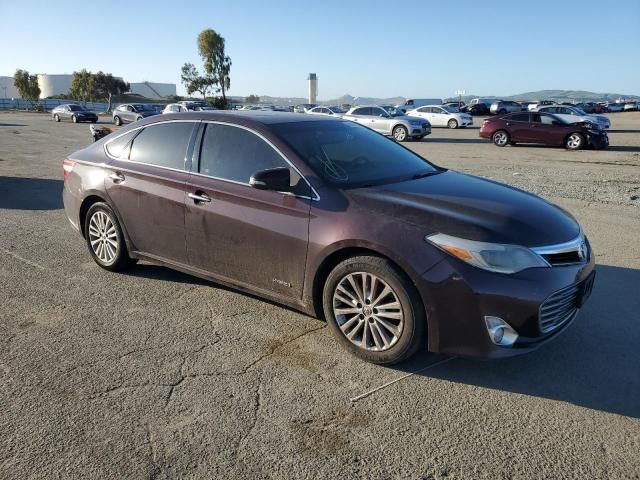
(495, 257)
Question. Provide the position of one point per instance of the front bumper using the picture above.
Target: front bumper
(420, 131)
(458, 296)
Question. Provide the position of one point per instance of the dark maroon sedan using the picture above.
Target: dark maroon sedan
(337, 221)
(542, 128)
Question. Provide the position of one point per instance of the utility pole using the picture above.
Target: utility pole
(460, 93)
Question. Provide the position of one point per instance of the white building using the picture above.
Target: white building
(7, 89)
(52, 85)
(153, 89)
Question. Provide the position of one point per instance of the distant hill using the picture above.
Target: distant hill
(571, 96)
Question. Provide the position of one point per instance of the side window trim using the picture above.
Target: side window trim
(188, 155)
(198, 150)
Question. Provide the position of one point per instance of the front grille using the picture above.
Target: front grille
(560, 308)
(563, 258)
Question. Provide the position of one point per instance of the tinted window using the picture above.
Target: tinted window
(349, 155)
(359, 111)
(519, 117)
(541, 118)
(164, 144)
(423, 109)
(120, 147)
(233, 153)
(378, 112)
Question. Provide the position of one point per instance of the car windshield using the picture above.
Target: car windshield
(336, 109)
(349, 155)
(76, 108)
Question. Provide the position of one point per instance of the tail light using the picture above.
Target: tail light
(67, 167)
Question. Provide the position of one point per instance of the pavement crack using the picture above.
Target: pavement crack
(278, 347)
(155, 471)
(257, 408)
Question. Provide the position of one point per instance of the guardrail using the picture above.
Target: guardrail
(49, 104)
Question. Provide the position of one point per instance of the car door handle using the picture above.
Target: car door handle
(199, 197)
(117, 177)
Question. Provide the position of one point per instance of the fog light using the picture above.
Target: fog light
(500, 332)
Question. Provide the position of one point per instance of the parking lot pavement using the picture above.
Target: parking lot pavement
(156, 374)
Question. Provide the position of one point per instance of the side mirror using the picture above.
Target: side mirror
(276, 179)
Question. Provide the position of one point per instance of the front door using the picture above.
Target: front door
(544, 131)
(247, 236)
(146, 182)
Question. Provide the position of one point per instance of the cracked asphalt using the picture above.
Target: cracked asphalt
(154, 374)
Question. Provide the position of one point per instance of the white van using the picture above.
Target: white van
(413, 103)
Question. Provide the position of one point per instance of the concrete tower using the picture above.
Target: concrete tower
(313, 87)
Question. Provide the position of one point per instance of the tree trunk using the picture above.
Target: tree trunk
(109, 105)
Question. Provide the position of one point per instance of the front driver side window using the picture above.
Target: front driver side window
(233, 153)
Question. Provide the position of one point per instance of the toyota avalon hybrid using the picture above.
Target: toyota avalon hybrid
(338, 221)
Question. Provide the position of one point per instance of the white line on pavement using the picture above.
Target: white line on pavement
(22, 259)
(366, 394)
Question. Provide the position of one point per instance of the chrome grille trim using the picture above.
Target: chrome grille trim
(578, 246)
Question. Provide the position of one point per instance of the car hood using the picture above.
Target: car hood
(470, 207)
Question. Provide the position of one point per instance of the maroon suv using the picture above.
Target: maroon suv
(338, 221)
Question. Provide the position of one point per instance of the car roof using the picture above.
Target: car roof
(246, 117)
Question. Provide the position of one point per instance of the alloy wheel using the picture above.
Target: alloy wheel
(103, 237)
(368, 311)
(574, 141)
(500, 138)
(400, 134)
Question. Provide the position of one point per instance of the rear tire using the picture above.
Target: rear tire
(502, 112)
(393, 333)
(105, 240)
(56, 117)
(117, 121)
(74, 119)
(575, 141)
(500, 138)
(452, 123)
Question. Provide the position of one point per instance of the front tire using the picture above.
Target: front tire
(117, 121)
(400, 133)
(452, 123)
(373, 310)
(105, 239)
(575, 141)
(56, 117)
(74, 119)
(500, 138)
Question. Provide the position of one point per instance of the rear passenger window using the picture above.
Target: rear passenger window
(519, 117)
(233, 153)
(163, 144)
(119, 148)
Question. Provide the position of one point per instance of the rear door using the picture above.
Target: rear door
(519, 127)
(247, 236)
(146, 183)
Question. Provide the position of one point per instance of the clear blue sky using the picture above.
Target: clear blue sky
(365, 48)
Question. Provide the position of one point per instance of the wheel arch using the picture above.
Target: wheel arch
(94, 197)
(343, 251)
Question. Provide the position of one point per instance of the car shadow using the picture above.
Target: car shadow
(594, 364)
(456, 140)
(23, 193)
(13, 125)
(622, 131)
(623, 148)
